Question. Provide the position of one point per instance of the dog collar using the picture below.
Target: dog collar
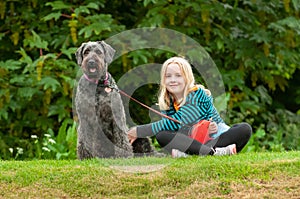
(105, 81)
(95, 81)
(90, 80)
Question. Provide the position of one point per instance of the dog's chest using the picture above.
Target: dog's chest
(85, 97)
(105, 102)
(104, 96)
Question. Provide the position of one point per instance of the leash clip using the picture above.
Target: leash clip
(113, 87)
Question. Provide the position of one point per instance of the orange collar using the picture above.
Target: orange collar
(176, 106)
(194, 88)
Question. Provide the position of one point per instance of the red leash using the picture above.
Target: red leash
(151, 109)
(199, 131)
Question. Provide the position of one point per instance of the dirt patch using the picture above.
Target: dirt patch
(139, 168)
(34, 191)
(279, 187)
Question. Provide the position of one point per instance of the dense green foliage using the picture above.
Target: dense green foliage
(255, 45)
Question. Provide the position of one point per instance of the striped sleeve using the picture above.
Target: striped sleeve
(195, 109)
(198, 107)
(167, 125)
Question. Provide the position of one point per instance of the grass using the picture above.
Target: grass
(247, 175)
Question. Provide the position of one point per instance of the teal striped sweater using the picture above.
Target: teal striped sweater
(198, 107)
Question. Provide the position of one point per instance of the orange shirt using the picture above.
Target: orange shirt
(176, 106)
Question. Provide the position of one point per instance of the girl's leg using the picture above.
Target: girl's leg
(238, 134)
(170, 140)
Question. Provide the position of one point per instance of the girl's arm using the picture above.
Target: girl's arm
(194, 110)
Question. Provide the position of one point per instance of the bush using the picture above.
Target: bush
(255, 45)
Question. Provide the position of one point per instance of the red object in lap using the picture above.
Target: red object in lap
(200, 131)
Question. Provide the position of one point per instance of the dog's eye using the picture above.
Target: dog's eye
(98, 52)
(86, 52)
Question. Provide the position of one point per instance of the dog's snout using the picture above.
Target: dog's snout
(91, 63)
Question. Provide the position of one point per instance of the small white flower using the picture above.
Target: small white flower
(20, 150)
(52, 141)
(11, 150)
(47, 135)
(34, 136)
(46, 149)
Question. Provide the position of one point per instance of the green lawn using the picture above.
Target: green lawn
(247, 175)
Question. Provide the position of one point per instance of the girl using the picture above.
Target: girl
(182, 100)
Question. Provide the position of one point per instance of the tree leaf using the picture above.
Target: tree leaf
(10, 64)
(27, 92)
(54, 16)
(69, 52)
(82, 9)
(58, 5)
(35, 41)
(264, 96)
(49, 82)
(25, 58)
(93, 6)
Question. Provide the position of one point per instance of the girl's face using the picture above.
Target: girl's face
(174, 81)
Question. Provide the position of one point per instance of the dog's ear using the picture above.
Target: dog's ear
(109, 52)
(79, 55)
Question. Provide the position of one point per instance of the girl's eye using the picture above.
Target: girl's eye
(178, 75)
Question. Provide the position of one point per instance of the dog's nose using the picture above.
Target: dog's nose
(91, 62)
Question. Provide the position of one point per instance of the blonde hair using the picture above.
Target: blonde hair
(186, 69)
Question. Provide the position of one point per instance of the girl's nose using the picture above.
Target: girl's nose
(173, 79)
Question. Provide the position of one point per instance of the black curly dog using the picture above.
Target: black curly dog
(99, 108)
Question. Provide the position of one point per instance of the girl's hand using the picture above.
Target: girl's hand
(212, 128)
(132, 135)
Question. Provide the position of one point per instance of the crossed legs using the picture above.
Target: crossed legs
(238, 134)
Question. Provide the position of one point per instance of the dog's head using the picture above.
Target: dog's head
(94, 57)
